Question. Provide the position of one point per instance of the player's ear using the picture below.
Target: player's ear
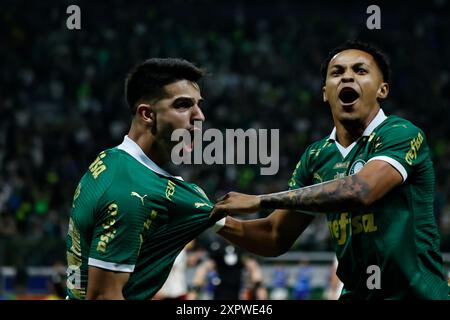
(324, 94)
(383, 91)
(145, 112)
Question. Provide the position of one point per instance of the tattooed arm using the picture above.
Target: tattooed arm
(342, 194)
(375, 180)
(275, 234)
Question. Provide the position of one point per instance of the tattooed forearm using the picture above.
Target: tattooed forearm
(341, 194)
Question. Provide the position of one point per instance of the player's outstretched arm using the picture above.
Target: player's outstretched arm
(105, 284)
(270, 236)
(362, 189)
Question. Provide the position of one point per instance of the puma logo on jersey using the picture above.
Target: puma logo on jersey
(135, 194)
(201, 204)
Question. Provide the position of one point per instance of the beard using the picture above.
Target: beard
(163, 144)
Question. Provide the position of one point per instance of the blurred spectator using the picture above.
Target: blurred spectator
(233, 276)
(302, 283)
(335, 285)
(280, 278)
(176, 285)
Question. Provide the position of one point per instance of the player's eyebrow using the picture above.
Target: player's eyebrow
(355, 65)
(360, 64)
(189, 100)
(337, 66)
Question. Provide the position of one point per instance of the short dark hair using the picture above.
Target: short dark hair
(147, 79)
(378, 55)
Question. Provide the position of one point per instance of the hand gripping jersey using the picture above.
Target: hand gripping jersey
(396, 238)
(130, 215)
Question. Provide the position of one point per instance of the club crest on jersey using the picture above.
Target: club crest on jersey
(356, 166)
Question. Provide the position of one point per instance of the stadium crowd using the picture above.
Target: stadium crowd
(62, 95)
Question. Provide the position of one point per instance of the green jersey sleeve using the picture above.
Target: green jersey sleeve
(117, 234)
(402, 145)
(301, 176)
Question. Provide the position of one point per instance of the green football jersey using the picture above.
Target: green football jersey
(397, 236)
(129, 215)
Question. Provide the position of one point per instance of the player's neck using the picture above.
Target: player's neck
(346, 136)
(147, 142)
(347, 133)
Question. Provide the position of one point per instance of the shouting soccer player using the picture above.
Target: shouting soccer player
(130, 218)
(373, 178)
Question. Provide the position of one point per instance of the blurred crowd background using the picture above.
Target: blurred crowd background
(62, 98)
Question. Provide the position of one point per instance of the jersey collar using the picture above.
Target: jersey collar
(134, 150)
(379, 118)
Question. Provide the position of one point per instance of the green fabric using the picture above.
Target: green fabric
(397, 233)
(126, 214)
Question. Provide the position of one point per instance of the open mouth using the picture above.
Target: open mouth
(348, 96)
(190, 147)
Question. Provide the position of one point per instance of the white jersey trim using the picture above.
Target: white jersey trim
(111, 265)
(134, 150)
(345, 151)
(379, 118)
(397, 165)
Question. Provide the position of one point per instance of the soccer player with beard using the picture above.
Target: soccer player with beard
(130, 218)
(373, 178)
